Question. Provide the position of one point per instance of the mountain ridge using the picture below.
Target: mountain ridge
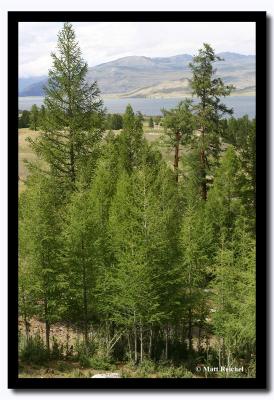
(125, 75)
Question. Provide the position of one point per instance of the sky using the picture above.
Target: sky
(106, 41)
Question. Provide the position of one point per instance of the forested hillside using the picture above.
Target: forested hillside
(151, 265)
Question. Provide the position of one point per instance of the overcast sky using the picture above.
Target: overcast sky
(105, 41)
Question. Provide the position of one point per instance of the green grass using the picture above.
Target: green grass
(69, 369)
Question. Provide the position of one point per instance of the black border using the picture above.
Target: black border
(14, 17)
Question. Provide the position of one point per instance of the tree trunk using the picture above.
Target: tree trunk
(228, 362)
(135, 340)
(176, 156)
(48, 335)
(129, 347)
(141, 343)
(85, 301)
(166, 349)
(72, 160)
(150, 343)
(67, 339)
(203, 175)
(190, 329)
(47, 324)
(26, 322)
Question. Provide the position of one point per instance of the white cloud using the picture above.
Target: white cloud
(105, 41)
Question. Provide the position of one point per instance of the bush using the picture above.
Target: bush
(147, 367)
(56, 351)
(64, 367)
(172, 372)
(34, 351)
(85, 350)
(95, 363)
(100, 363)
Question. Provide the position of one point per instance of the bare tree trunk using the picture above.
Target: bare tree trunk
(150, 343)
(135, 340)
(228, 361)
(141, 343)
(166, 349)
(129, 347)
(47, 325)
(220, 352)
(203, 175)
(85, 301)
(67, 339)
(26, 322)
(190, 329)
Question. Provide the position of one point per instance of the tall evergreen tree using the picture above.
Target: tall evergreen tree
(40, 246)
(197, 251)
(241, 133)
(34, 117)
(209, 109)
(179, 125)
(72, 127)
(131, 140)
(82, 258)
(224, 198)
(24, 120)
(234, 295)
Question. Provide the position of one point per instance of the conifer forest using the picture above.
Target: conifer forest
(136, 257)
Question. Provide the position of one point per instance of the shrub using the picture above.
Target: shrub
(57, 350)
(85, 349)
(172, 372)
(95, 363)
(147, 367)
(34, 351)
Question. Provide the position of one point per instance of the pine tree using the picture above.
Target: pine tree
(82, 257)
(34, 117)
(179, 125)
(241, 133)
(42, 116)
(72, 127)
(141, 283)
(234, 294)
(24, 120)
(209, 110)
(39, 243)
(131, 140)
(224, 198)
(150, 122)
(197, 251)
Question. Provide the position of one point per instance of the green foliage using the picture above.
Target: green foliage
(112, 245)
(97, 363)
(24, 120)
(131, 141)
(208, 111)
(173, 372)
(150, 122)
(241, 133)
(234, 289)
(114, 121)
(56, 350)
(72, 127)
(180, 121)
(34, 351)
(34, 117)
(224, 199)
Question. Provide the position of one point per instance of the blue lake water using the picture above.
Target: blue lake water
(241, 104)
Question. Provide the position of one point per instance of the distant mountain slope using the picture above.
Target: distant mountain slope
(124, 76)
(25, 83)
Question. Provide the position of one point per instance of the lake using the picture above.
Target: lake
(241, 104)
